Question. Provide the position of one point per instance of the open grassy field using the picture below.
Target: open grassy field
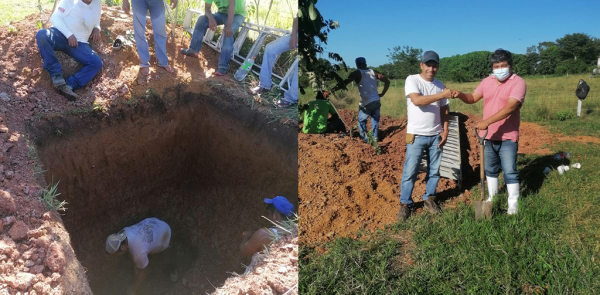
(550, 247)
(17, 10)
(545, 99)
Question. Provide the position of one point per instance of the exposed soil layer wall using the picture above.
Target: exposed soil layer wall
(204, 166)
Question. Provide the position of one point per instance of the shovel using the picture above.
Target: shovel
(483, 209)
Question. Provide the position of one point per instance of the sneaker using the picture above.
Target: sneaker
(188, 52)
(67, 91)
(404, 212)
(58, 81)
(430, 205)
(258, 90)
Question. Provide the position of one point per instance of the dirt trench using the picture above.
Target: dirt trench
(203, 166)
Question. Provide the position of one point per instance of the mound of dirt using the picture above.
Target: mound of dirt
(344, 186)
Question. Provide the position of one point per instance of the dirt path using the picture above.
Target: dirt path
(345, 187)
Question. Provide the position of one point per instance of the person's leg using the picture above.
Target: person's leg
(362, 123)
(508, 160)
(92, 63)
(49, 40)
(139, 9)
(414, 154)
(292, 94)
(435, 160)
(375, 113)
(198, 35)
(492, 166)
(227, 48)
(272, 50)
(159, 29)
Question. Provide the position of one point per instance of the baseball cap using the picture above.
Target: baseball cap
(113, 242)
(282, 205)
(430, 55)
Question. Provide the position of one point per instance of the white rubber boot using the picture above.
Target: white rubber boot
(492, 184)
(513, 197)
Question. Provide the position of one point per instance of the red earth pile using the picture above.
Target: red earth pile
(36, 256)
(344, 186)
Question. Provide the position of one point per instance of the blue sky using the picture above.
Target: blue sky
(452, 27)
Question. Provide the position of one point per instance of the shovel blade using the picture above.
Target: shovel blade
(483, 210)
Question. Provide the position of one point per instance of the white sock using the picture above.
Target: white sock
(492, 184)
(513, 197)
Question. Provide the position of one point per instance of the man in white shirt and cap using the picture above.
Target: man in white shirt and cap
(150, 236)
(74, 22)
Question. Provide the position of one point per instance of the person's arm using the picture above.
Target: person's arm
(59, 23)
(96, 30)
(126, 6)
(511, 106)
(294, 36)
(353, 77)
(212, 23)
(444, 114)
(255, 243)
(333, 113)
(412, 91)
(140, 275)
(383, 79)
(469, 98)
(228, 30)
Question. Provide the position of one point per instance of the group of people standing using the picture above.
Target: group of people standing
(427, 98)
(76, 21)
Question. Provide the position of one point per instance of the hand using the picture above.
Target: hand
(444, 136)
(96, 35)
(455, 93)
(126, 6)
(73, 41)
(212, 23)
(228, 30)
(447, 92)
(293, 41)
(173, 4)
(483, 125)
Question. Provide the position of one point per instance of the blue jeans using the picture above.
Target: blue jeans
(49, 40)
(364, 112)
(414, 154)
(272, 50)
(159, 29)
(501, 154)
(227, 48)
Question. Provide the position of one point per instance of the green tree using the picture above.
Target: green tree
(405, 60)
(549, 59)
(532, 58)
(578, 46)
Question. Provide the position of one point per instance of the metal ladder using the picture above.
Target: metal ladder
(263, 33)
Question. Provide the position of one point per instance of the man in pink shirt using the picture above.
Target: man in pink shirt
(503, 94)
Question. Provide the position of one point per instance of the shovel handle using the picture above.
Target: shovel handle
(481, 161)
(480, 138)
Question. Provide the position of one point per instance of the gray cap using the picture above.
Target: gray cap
(430, 55)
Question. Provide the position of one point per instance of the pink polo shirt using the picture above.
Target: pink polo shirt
(495, 97)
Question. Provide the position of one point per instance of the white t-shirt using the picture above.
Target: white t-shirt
(73, 17)
(149, 236)
(368, 87)
(424, 120)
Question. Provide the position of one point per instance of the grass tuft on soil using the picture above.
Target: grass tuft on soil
(550, 247)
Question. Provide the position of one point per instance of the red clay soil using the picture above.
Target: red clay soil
(344, 186)
(36, 255)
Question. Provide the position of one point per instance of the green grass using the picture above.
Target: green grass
(552, 245)
(544, 102)
(49, 195)
(11, 11)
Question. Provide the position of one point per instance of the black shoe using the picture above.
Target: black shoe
(67, 91)
(430, 205)
(58, 81)
(404, 212)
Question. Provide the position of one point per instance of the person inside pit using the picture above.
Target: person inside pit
(149, 236)
(280, 209)
(427, 130)
(316, 115)
(370, 99)
(503, 95)
(74, 23)
(232, 14)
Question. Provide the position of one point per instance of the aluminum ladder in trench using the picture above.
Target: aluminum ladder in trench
(450, 166)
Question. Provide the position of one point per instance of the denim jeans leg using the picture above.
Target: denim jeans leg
(508, 160)
(292, 94)
(272, 50)
(375, 113)
(227, 48)
(140, 9)
(49, 40)
(92, 63)
(362, 123)
(414, 154)
(199, 32)
(492, 158)
(435, 160)
(159, 30)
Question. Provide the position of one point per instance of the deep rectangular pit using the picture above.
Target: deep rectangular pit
(203, 166)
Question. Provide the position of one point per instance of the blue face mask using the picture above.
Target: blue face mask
(501, 74)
